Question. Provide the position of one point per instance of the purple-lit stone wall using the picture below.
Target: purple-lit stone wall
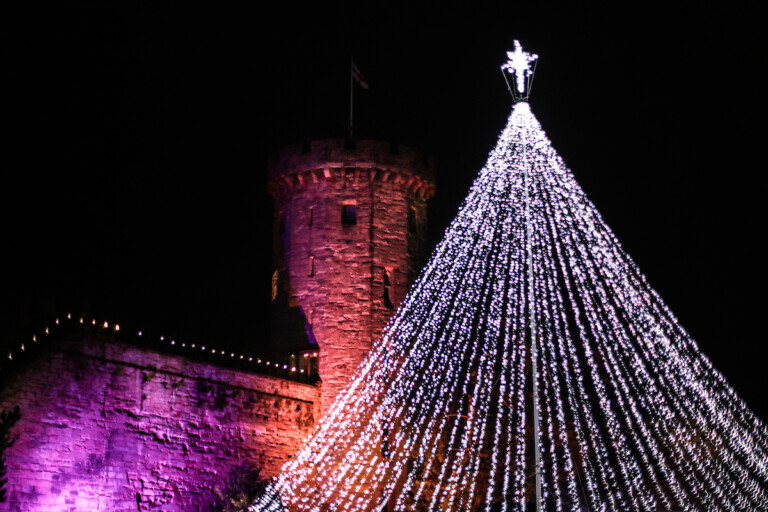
(107, 426)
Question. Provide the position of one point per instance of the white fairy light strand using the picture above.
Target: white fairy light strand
(632, 415)
(247, 363)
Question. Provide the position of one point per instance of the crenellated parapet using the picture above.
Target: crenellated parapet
(298, 165)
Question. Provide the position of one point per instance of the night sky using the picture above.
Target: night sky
(136, 138)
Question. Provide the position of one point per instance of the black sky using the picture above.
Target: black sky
(136, 136)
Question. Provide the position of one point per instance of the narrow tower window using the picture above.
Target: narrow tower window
(412, 220)
(274, 285)
(387, 285)
(311, 266)
(349, 213)
(311, 216)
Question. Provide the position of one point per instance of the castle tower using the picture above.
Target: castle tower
(350, 223)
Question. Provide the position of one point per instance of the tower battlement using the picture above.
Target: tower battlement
(320, 159)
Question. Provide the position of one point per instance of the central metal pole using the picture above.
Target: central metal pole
(532, 324)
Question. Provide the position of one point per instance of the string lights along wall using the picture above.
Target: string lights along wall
(531, 344)
(275, 364)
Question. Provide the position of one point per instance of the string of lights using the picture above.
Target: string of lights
(632, 416)
(166, 343)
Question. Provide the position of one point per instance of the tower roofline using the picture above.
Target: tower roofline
(321, 159)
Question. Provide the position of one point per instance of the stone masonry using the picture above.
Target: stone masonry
(350, 220)
(108, 427)
(116, 424)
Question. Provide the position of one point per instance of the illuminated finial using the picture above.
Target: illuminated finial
(519, 65)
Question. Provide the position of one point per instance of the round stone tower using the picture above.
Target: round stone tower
(350, 225)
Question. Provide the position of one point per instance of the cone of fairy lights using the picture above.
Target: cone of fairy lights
(531, 365)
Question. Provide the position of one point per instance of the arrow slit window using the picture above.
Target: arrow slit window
(349, 213)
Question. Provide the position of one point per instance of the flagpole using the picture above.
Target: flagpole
(351, 92)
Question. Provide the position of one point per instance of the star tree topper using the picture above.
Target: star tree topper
(519, 64)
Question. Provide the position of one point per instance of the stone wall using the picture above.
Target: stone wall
(108, 426)
(348, 275)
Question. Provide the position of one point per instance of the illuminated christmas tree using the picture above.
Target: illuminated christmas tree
(531, 365)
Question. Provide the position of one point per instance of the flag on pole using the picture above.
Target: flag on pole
(358, 76)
